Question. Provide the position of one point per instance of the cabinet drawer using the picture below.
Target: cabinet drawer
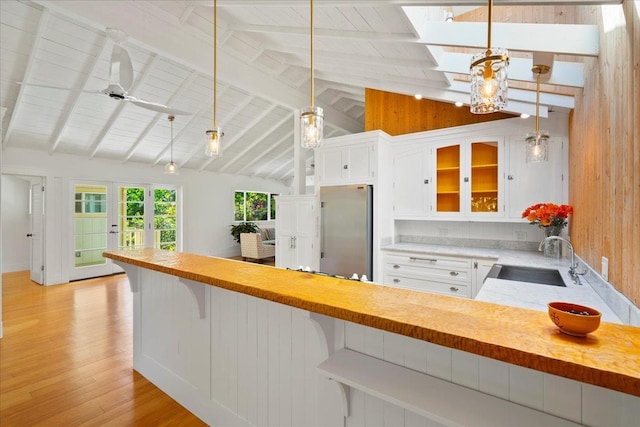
(441, 272)
(429, 260)
(454, 289)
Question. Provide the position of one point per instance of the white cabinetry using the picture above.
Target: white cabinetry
(412, 183)
(297, 232)
(469, 178)
(430, 273)
(350, 163)
(450, 275)
(531, 183)
(481, 267)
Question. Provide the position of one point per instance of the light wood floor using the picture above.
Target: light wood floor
(66, 358)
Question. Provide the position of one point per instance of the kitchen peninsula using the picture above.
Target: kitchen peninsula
(243, 344)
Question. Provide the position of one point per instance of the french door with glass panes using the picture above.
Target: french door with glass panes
(114, 216)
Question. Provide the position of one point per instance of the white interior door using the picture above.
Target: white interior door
(37, 233)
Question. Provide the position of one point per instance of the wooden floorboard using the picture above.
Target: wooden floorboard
(66, 358)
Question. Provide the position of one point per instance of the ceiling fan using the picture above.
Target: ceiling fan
(121, 77)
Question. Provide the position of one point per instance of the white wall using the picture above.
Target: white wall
(15, 223)
(207, 200)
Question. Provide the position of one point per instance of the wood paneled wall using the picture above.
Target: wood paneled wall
(401, 114)
(604, 150)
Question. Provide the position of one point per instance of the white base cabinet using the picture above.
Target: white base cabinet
(297, 231)
(448, 275)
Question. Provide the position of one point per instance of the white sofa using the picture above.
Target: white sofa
(252, 246)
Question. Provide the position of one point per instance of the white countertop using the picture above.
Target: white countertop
(520, 294)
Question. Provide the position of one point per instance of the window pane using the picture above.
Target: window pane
(239, 206)
(272, 207)
(256, 206)
(165, 219)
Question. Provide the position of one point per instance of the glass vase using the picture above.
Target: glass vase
(553, 248)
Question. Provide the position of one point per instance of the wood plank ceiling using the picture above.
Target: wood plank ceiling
(263, 71)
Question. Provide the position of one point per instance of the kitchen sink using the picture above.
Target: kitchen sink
(543, 276)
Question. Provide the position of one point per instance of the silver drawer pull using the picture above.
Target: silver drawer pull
(453, 289)
(396, 266)
(423, 259)
(396, 280)
(454, 273)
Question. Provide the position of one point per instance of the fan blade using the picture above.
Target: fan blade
(155, 107)
(120, 70)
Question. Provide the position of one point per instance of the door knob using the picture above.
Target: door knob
(29, 235)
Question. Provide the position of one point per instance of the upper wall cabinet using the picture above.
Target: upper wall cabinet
(531, 183)
(460, 174)
(468, 178)
(349, 163)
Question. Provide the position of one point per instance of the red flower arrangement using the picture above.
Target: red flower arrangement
(548, 214)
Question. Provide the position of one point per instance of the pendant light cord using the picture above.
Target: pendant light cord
(489, 26)
(538, 103)
(215, 62)
(311, 48)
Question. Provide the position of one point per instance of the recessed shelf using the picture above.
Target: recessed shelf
(448, 192)
(448, 169)
(485, 166)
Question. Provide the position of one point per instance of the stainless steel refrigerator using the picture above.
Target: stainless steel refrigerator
(346, 241)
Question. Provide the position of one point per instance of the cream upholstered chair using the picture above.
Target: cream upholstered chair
(251, 246)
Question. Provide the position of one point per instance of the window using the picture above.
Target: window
(254, 206)
(91, 202)
(165, 219)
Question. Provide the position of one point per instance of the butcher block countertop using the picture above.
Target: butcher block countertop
(609, 357)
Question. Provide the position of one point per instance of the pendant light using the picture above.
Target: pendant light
(311, 118)
(489, 76)
(213, 147)
(537, 143)
(171, 168)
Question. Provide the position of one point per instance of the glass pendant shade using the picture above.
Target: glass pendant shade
(311, 122)
(171, 168)
(537, 147)
(489, 81)
(213, 147)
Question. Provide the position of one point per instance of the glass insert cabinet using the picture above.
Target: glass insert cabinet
(467, 178)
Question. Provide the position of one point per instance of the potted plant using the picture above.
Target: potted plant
(243, 227)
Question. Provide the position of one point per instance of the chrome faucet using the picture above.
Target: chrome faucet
(573, 269)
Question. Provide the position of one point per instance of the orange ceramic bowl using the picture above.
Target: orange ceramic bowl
(574, 319)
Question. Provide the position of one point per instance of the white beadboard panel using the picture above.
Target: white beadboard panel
(250, 387)
(415, 354)
(262, 317)
(284, 390)
(526, 387)
(354, 337)
(393, 415)
(244, 358)
(465, 369)
(298, 417)
(356, 408)
(602, 407)
(494, 377)
(563, 397)
(373, 411)
(411, 419)
(439, 361)
(393, 348)
(374, 342)
(631, 410)
(273, 354)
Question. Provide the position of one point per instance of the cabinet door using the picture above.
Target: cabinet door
(486, 180)
(481, 268)
(285, 229)
(531, 183)
(448, 162)
(411, 183)
(305, 233)
(333, 165)
(359, 163)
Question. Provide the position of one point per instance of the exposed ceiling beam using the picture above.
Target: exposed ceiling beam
(266, 165)
(37, 39)
(562, 73)
(259, 157)
(255, 143)
(95, 146)
(249, 127)
(275, 171)
(334, 3)
(185, 84)
(559, 39)
(74, 98)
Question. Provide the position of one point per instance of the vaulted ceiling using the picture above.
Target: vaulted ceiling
(55, 57)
